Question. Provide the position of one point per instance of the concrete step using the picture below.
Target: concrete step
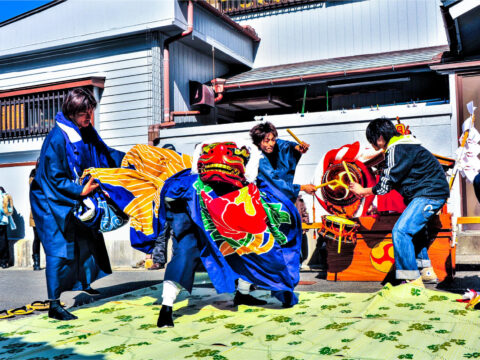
(122, 255)
(120, 252)
(468, 247)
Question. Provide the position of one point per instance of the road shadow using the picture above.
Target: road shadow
(12, 346)
(110, 291)
(459, 285)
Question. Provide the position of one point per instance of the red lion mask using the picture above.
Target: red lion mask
(223, 162)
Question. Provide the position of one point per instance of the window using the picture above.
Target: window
(31, 112)
(30, 115)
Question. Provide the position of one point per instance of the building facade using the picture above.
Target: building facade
(321, 68)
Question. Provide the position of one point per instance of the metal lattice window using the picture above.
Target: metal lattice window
(30, 115)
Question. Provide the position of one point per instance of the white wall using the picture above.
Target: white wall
(324, 131)
(345, 28)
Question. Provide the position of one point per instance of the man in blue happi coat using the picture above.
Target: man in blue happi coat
(75, 254)
(280, 159)
(278, 165)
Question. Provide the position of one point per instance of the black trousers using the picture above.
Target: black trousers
(4, 249)
(476, 186)
(36, 242)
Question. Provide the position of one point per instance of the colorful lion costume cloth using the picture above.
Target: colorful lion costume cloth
(249, 232)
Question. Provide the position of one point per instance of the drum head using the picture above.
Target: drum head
(338, 193)
(340, 220)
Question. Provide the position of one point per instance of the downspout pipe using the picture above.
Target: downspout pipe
(218, 87)
(167, 118)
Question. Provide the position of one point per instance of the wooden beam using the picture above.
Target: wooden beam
(91, 81)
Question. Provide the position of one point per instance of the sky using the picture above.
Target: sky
(12, 8)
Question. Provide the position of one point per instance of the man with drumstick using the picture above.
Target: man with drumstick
(280, 159)
(418, 176)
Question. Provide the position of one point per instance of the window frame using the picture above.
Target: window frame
(15, 103)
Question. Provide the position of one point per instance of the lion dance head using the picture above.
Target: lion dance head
(229, 162)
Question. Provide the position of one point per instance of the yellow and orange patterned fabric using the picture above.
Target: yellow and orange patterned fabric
(136, 187)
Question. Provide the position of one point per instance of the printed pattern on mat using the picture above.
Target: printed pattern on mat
(405, 322)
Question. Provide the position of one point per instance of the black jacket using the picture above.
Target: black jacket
(412, 170)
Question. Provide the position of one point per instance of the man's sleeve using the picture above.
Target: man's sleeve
(397, 167)
(56, 172)
(284, 186)
(116, 155)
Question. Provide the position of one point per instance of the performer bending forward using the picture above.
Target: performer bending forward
(220, 217)
(75, 254)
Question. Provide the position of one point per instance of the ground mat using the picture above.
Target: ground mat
(402, 322)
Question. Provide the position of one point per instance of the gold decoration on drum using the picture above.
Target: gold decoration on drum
(381, 256)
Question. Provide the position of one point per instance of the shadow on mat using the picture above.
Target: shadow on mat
(16, 347)
(110, 291)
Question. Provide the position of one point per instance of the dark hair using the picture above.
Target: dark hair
(258, 132)
(2, 189)
(169, 147)
(78, 100)
(380, 127)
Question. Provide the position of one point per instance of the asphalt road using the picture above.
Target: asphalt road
(19, 287)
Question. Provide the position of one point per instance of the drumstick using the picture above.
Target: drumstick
(327, 183)
(295, 137)
(348, 171)
(334, 181)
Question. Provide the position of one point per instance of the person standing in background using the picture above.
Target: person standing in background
(280, 159)
(6, 211)
(36, 239)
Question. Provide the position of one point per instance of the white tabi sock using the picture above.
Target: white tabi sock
(243, 287)
(170, 292)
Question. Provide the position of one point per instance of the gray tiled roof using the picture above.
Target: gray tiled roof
(345, 64)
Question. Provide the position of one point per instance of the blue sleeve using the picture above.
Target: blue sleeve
(116, 155)
(56, 170)
(288, 188)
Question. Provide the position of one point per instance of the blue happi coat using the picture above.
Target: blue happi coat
(54, 191)
(66, 152)
(279, 168)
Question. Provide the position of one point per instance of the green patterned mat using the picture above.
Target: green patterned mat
(403, 322)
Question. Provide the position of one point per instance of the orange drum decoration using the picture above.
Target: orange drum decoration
(337, 169)
(332, 177)
(339, 229)
(381, 256)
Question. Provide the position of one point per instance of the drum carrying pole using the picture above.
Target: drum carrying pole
(340, 238)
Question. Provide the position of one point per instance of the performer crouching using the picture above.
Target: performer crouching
(219, 216)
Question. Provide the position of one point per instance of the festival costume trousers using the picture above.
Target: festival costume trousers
(4, 250)
(413, 220)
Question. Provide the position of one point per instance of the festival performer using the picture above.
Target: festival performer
(220, 217)
(418, 176)
(280, 159)
(75, 254)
